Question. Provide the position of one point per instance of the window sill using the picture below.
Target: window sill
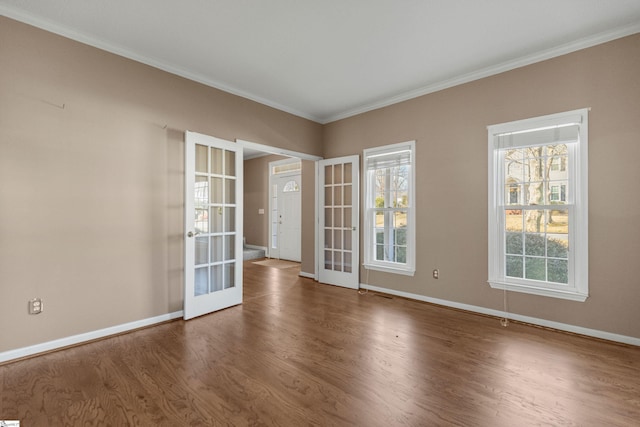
(535, 290)
(387, 269)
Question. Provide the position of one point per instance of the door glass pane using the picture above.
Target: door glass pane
(230, 191)
(337, 196)
(337, 217)
(347, 240)
(216, 190)
(347, 195)
(337, 239)
(201, 158)
(328, 264)
(201, 221)
(216, 160)
(347, 262)
(328, 200)
(201, 191)
(337, 174)
(347, 218)
(347, 173)
(201, 281)
(202, 250)
(216, 249)
(216, 278)
(230, 163)
(229, 219)
(328, 175)
(216, 219)
(337, 260)
(328, 238)
(229, 247)
(229, 275)
(328, 216)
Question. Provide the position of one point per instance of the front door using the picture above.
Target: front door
(213, 224)
(338, 242)
(289, 217)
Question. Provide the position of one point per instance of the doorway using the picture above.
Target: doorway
(285, 209)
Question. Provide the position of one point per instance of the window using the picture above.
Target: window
(389, 185)
(538, 241)
(291, 186)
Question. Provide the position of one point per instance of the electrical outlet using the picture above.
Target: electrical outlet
(436, 273)
(35, 306)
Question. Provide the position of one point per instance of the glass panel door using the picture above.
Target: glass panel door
(339, 216)
(213, 224)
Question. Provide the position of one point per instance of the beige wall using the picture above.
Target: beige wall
(451, 150)
(91, 195)
(91, 180)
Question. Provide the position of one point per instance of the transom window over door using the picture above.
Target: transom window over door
(389, 236)
(538, 234)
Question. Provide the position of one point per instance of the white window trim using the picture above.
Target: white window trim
(370, 262)
(578, 287)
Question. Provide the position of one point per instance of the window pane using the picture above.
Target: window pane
(514, 220)
(328, 261)
(514, 243)
(558, 245)
(514, 266)
(347, 239)
(328, 193)
(328, 238)
(535, 268)
(535, 221)
(558, 271)
(558, 221)
(534, 244)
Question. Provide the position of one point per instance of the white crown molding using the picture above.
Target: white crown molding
(433, 87)
(609, 336)
(120, 51)
(564, 49)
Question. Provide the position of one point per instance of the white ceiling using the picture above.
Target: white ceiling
(330, 59)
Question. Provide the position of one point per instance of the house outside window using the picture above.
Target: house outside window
(389, 184)
(538, 234)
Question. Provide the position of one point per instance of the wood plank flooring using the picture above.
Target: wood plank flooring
(299, 353)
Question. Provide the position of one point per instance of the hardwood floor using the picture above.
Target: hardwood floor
(301, 353)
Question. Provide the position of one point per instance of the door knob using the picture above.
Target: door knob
(191, 233)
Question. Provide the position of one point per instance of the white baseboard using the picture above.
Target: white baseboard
(308, 275)
(263, 248)
(88, 336)
(498, 313)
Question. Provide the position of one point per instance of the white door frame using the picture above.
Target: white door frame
(302, 156)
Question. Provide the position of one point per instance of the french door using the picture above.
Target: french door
(213, 224)
(338, 240)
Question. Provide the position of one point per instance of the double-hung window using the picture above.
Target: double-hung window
(389, 182)
(538, 229)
